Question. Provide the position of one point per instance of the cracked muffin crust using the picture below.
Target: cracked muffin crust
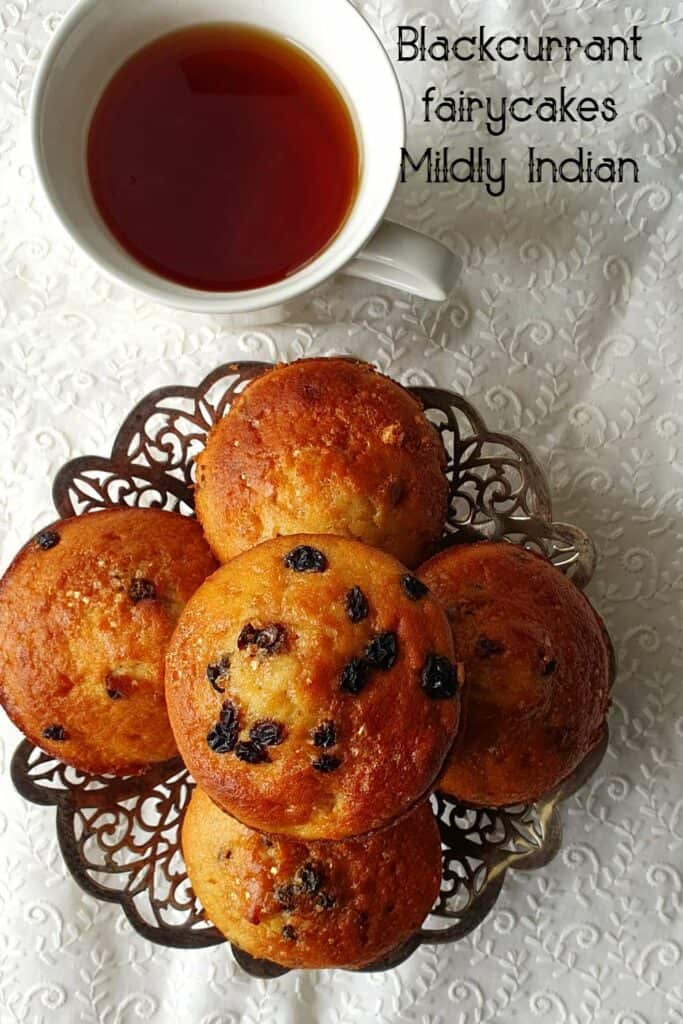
(312, 692)
(324, 446)
(319, 905)
(87, 609)
(537, 663)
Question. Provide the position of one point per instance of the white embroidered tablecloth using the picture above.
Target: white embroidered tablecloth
(564, 330)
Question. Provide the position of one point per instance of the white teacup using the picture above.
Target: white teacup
(98, 36)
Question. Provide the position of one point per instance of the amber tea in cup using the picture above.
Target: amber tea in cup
(223, 158)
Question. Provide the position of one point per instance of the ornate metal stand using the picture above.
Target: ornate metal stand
(120, 837)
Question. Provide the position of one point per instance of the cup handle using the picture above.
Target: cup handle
(406, 259)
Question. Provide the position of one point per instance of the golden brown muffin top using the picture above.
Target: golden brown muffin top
(311, 687)
(324, 446)
(537, 664)
(313, 904)
(86, 612)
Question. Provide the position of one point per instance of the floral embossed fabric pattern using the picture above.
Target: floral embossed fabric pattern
(563, 332)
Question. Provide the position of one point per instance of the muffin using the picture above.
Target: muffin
(324, 446)
(86, 612)
(311, 687)
(313, 904)
(537, 661)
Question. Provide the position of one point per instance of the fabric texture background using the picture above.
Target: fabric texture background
(564, 331)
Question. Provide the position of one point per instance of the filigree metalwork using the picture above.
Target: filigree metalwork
(120, 837)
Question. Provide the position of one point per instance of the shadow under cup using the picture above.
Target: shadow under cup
(99, 36)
